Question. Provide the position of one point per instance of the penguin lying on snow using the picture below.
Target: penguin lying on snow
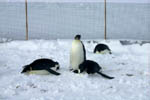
(91, 67)
(78, 53)
(42, 67)
(102, 48)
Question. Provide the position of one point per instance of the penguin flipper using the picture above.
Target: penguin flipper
(84, 50)
(53, 72)
(105, 76)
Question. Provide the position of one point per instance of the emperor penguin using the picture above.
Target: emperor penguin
(78, 53)
(102, 49)
(91, 67)
(41, 67)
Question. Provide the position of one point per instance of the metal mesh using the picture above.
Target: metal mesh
(64, 20)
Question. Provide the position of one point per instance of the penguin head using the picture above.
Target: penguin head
(56, 65)
(77, 71)
(26, 69)
(77, 37)
(81, 67)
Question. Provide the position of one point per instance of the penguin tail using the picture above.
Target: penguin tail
(105, 76)
(53, 72)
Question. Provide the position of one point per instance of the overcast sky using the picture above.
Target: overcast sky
(130, 1)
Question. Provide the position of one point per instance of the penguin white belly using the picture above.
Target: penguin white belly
(77, 54)
(103, 52)
(38, 72)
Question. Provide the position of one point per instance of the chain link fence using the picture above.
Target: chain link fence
(64, 20)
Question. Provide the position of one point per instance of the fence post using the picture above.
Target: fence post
(105, 21)
(26, 13)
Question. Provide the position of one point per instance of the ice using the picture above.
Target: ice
(129, 64)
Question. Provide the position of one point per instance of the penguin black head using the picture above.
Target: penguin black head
(56, 65)
(81, 68)
(77, 37)
(26, 69)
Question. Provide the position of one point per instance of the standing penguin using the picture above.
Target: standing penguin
(78, 53)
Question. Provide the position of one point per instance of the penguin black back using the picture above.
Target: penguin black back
(84, 51)
(101, 47)
(42, 64)
(91, 67)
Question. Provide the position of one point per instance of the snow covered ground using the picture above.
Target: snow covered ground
(129, 64)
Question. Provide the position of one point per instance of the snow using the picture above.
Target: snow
(129, 64)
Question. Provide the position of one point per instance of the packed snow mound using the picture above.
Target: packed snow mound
(129, 64)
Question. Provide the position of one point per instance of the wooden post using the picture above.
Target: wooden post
(26, 12)
(105, 21)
